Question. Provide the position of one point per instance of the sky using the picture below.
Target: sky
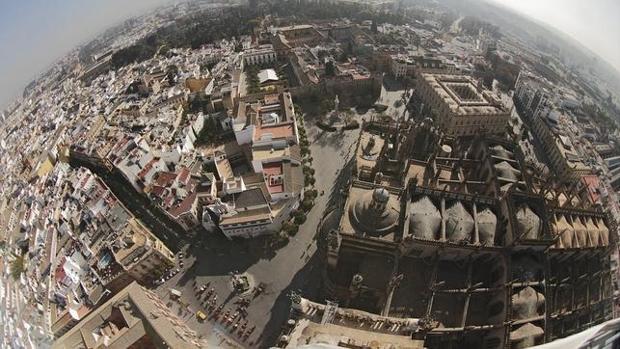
(34, 33)
(594, 23)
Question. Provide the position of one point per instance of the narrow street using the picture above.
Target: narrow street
(169, 232)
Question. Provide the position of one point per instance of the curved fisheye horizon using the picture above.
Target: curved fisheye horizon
(35, 33)
(420, 174)
(592, 24)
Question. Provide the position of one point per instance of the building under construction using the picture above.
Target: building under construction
(464, 237)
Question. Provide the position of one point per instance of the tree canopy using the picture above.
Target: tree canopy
(17, 267)
(192, 31)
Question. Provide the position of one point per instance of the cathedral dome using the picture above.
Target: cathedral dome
(505, 170)
(424, 219)
(528, 223)
(459, 223)
(375, 212)
(501, 152)
(487, 224)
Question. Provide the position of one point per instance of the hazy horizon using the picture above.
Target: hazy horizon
(35, 33)
(595, 27)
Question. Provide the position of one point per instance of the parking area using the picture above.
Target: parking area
(205, 281)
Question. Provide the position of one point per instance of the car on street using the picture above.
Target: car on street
(201, 316)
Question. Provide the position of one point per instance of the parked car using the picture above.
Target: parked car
(201, 316)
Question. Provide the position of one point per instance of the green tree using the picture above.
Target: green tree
(307, 204)
(326, 105)
(17, 267)
(199, 104)
(290, 228)
(300, 217)
(330, 70)
(308, 170)
(209, 167)
(311, 193)
(209, 131)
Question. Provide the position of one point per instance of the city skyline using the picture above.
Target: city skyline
(35, 33)
(579, 20)
(445, 173)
